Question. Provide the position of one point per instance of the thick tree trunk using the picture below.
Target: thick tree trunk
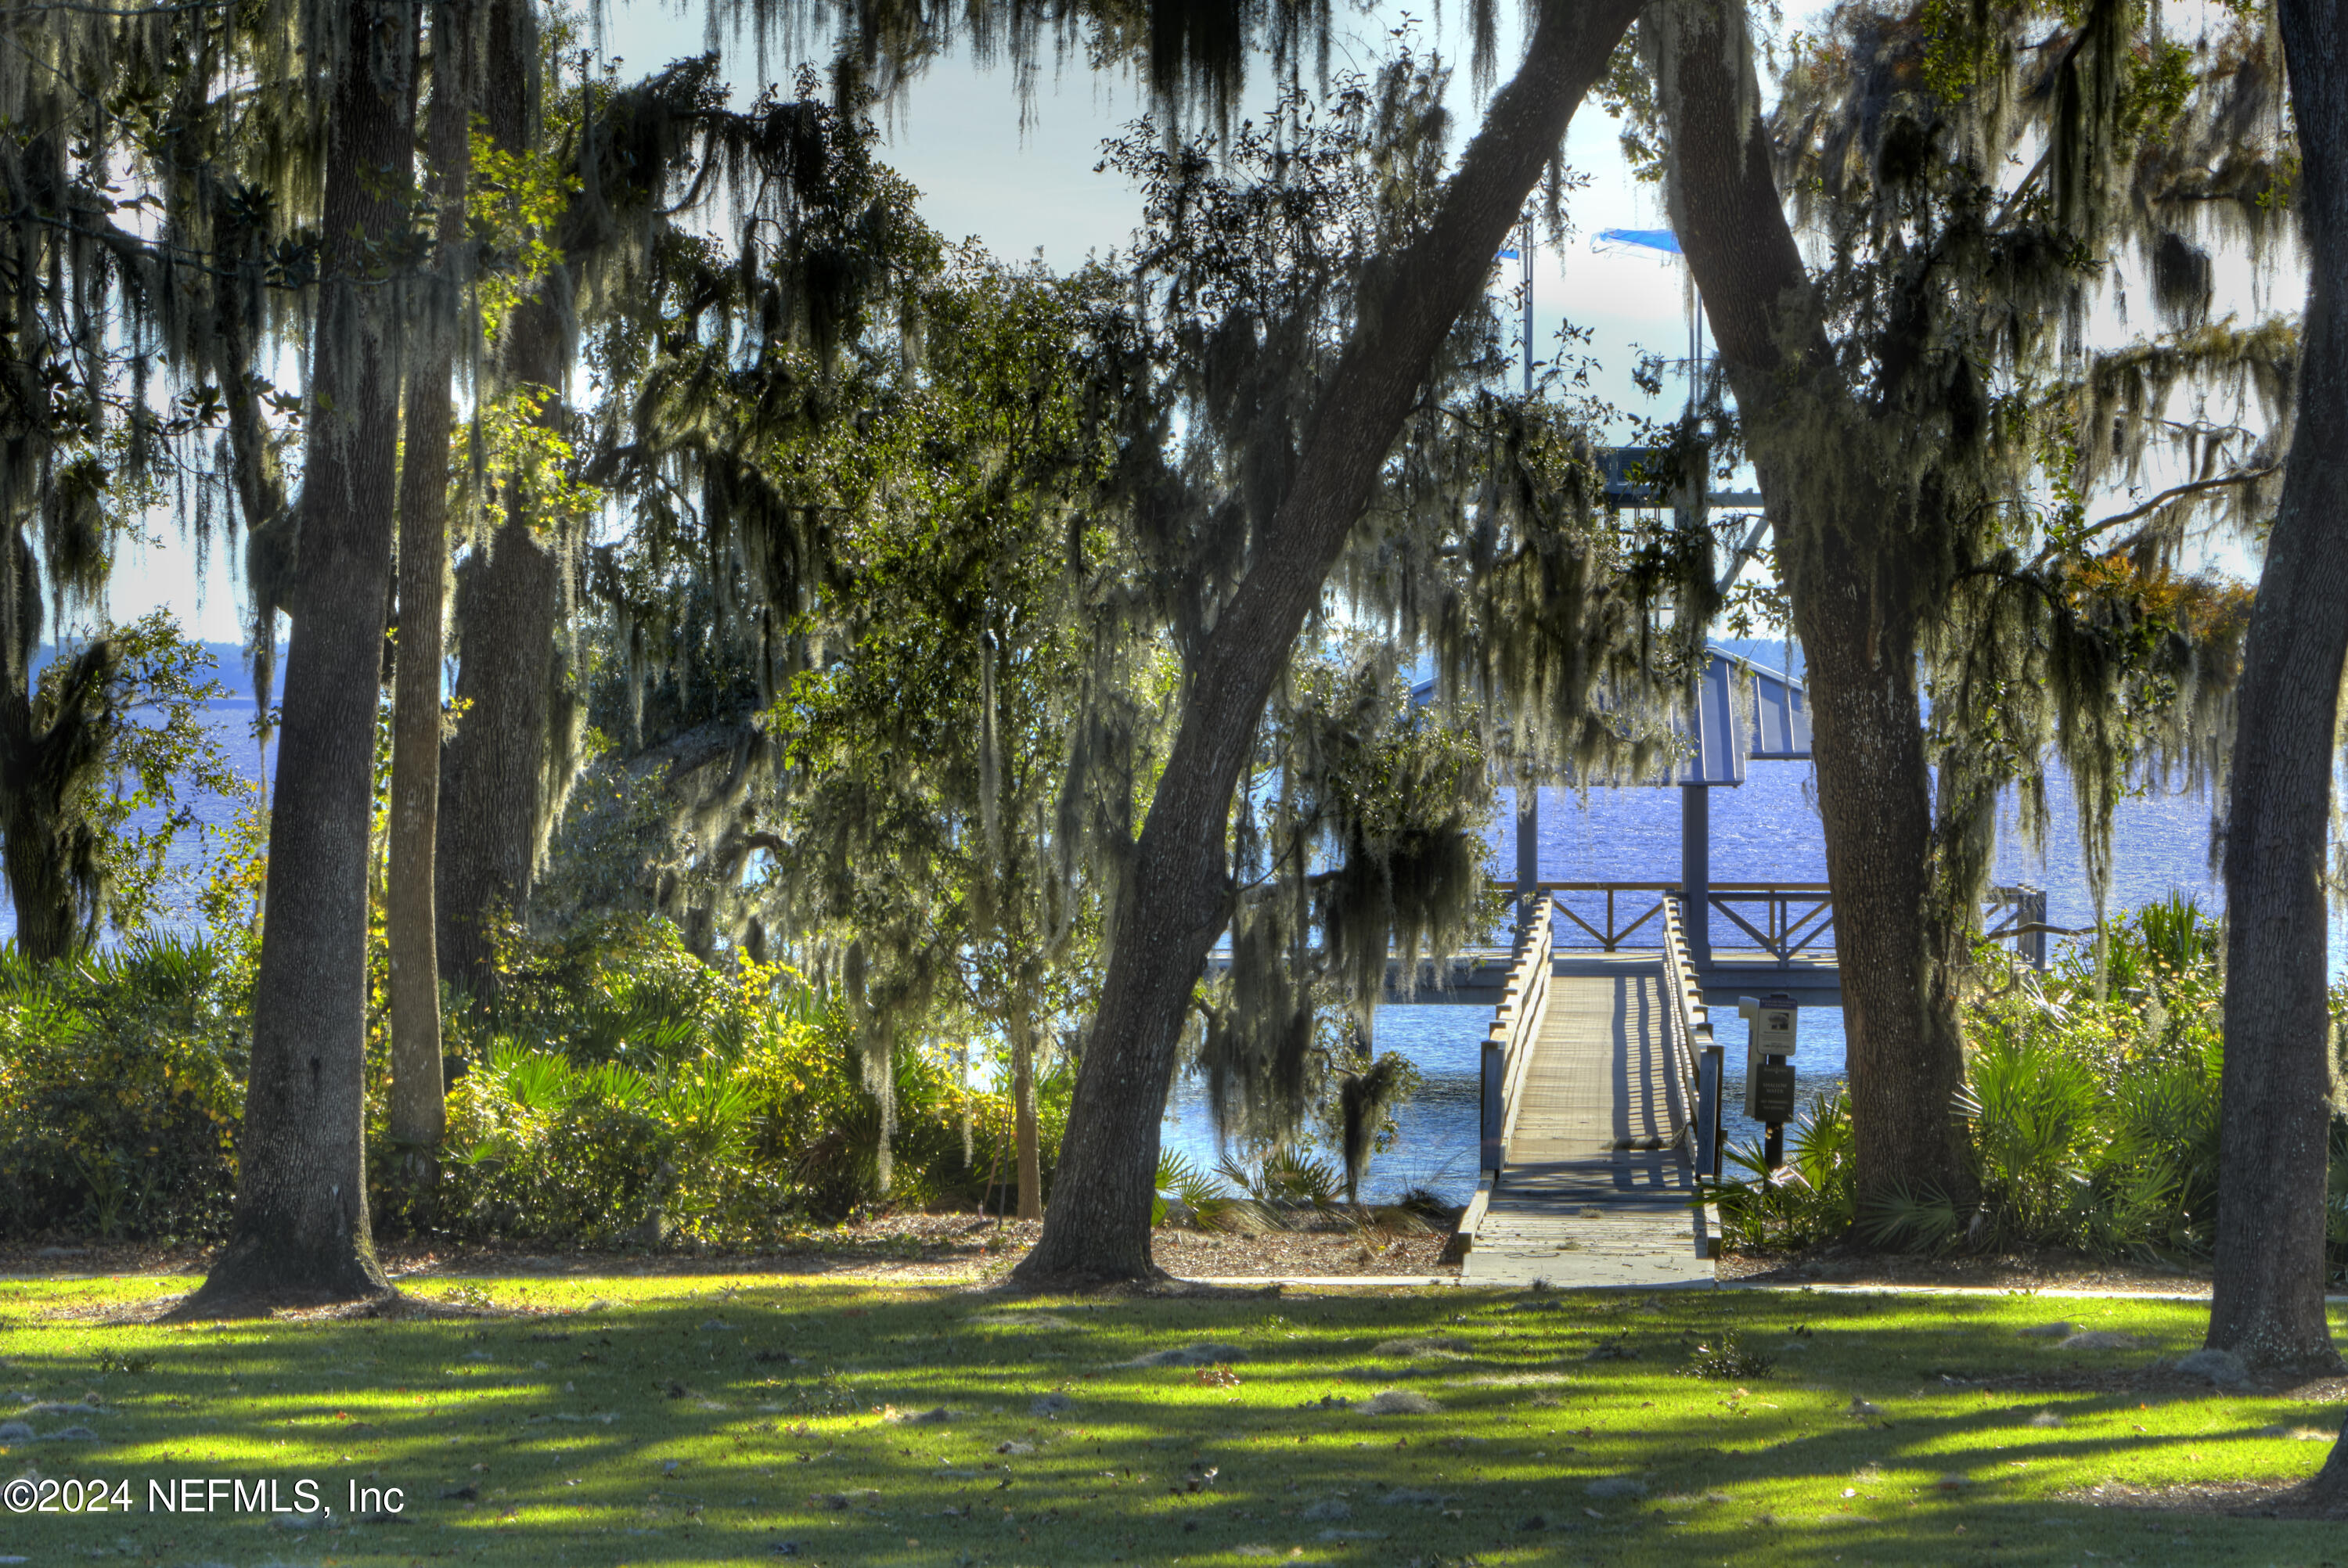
(2267, 1304)
(1098, 1227)
(418, 1108)
(1906, 1055)
(1844, 538)
(300, 1230)
(2329, 1487)
(508, 602)
(491, 771)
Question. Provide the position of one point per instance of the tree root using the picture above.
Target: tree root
(250, 1278)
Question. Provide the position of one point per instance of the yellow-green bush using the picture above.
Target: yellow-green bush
(619, 1091)
(121, 1081)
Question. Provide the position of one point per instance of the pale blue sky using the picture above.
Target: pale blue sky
(1021, 178)
(958, 134)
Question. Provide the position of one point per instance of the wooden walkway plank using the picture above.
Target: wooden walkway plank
(1595, 1190)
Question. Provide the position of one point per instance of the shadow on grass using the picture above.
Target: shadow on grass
(641, 1420)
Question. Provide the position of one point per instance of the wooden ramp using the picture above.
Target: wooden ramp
(1595, 1186)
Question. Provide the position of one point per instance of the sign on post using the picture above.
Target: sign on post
(1772, 1028)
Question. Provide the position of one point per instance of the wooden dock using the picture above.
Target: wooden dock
(1592, 1179)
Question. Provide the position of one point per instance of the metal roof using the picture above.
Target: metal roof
(1623, 489)
(1744, 713)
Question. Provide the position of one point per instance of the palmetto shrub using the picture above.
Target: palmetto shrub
(1810, 1199)
(121, 1080)
(620, 1091)
(2090, 1106)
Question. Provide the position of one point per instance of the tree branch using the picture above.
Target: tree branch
(2177, 492)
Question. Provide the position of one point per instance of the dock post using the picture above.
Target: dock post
(1528, 850)
(1710, 1070)
(1696, 871)
(1494, 1065)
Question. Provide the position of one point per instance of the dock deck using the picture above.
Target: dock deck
(1596, 1185)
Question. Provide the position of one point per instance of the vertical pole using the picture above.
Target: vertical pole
(1495, 1066)
(1696, 871)
(2031, 910)
(1711, 1063)
(1526, 252)
(1527, 789)
(1527, 848)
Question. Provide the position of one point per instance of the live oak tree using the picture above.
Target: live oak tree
(1306, 398)
(1313, 392)
(2279, 1090)
(1929, 427)
(855, 520)
(508, 761)
(600, 190)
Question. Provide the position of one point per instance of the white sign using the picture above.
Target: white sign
(1772, 1025)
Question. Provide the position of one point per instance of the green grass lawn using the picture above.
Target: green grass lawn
(716, 1420)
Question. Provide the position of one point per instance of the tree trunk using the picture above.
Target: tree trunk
(1098, 1227)
(491, 772)
(300, 1232)
(47, 754)
(2329, 1487)
(1022, 1100)
(508, 602)
(2266, 1301)
(1846, 537)
(419, 1107)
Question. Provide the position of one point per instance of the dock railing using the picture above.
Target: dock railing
(1516, 1025)
(2018, 915)
(1781, 919)
(1699, 1068)
(1792, 917)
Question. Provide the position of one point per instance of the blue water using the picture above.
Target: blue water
(1766, 829)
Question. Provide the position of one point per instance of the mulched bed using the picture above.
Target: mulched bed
(908, 1247)
(2033, 1269)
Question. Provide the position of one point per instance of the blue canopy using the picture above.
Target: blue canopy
(1651, 238)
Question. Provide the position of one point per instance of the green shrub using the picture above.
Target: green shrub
(620, 1091)
(1811, 1200)
(121, 1082)
(2090, 1107)
(2094, 1117)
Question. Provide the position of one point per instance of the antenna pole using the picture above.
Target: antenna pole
(1526, 253)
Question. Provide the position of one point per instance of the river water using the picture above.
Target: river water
(1766, 829)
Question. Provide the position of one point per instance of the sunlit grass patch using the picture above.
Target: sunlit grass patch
(602, 1422)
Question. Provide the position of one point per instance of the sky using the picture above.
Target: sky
(1021, 177)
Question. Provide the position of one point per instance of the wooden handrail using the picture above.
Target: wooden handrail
(1700, 1070)
(1794, 916)
(1516, 1025)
